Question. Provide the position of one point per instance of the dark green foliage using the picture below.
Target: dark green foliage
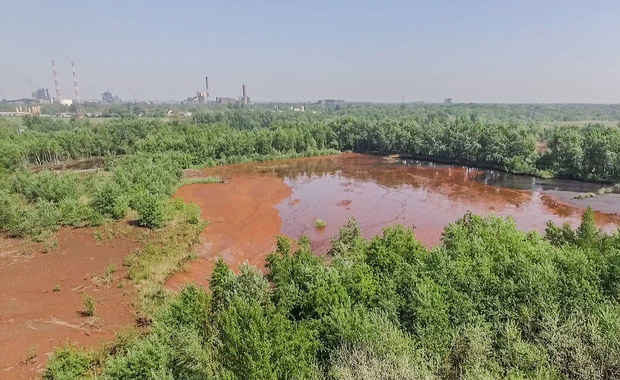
(485, 135)
(491, 302)
(257, 342)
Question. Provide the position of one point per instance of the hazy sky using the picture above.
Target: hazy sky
(472, 51)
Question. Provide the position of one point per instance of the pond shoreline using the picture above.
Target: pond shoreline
(475, 165)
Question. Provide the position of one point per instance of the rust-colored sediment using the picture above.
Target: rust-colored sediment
(242, 223)
(260, 200)
(34, 318)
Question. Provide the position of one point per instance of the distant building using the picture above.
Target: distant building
(107, 97)
(225, 100)
(448, 101)
(330, 102)
(41, 95)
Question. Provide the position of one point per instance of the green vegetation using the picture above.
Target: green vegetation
(319, 224)
(490, 302)
(67, 363)
(144, 158)
(110, 269)
(89, 306)
(194, 180)
(163, 253)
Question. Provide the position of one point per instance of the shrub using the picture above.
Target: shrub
(89, 306)
(10, 210)
(110, 200)
(145, 359)
(73, 212)
(319, 224)
(37, 221)
(45, 185)
(153, 211)
(67, 363)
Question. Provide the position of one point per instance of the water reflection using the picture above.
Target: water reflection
(419, 194)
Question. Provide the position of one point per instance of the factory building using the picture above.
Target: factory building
(225, 100)
(330, 102)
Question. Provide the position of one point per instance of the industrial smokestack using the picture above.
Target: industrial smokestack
(207, 89)
(77, 96)
(245, 95)
(56, 81)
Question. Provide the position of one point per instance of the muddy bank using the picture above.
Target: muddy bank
(34, 318)
(607, 203)
(242, 222)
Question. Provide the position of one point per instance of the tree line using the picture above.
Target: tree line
(588, 153)
(36, 203)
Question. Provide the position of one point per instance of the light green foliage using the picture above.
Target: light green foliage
(89, 306)
(74, 212)
(109, 270)
(195, 180)
(67, 363)
(46, 185)
(147, 360)
(109, 200)
(153, 210)
(319, 224)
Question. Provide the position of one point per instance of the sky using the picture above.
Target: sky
(382, 51)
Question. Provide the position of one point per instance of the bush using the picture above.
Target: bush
(110, 200)
(153, 211)
(10, 210)
(73, 212)
(319, 224)
(46, 185)
(37, 221)
(89, 306)
(144, 360)
(67, 363)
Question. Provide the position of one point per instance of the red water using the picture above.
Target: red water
(244, 210)
(379, 193)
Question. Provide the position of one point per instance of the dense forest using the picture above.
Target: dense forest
(490, 302)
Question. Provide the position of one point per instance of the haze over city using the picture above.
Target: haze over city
(472, 51)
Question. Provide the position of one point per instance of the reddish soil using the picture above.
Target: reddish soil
(34, 319)
(242, 223)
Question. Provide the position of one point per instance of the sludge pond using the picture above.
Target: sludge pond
(261, 200)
